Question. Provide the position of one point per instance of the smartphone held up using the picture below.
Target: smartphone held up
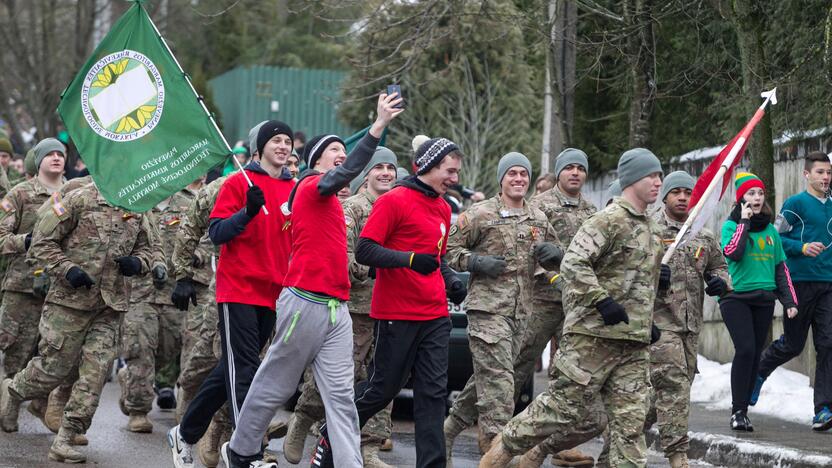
(396, 89)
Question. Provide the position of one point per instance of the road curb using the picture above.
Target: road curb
(722, 450)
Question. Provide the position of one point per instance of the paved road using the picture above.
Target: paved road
(111, 445)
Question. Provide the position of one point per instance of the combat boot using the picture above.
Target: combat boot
(387, 445)
(678, 460)
(61, 449)
(9, 407)
(79, 439)
(452, 427)
(55, 408)
(572, 457)
(276, 430)
(497, 456)
(370, 455)
(534, 458)
(299, 425)
(207, 449)
(138, 422)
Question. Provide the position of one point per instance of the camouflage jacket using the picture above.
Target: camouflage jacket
(490, 228)
(356, 211)
(192, 245)
(566, 217)
(75, 183)
(18, 210)
(679, 309)
(84, 230)
(167, 221)
(616, 253)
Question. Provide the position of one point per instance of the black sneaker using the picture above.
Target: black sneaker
(322, 456)
(166, 399)
(740, 422)
(232, 460)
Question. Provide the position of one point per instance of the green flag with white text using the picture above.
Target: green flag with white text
(136, 120)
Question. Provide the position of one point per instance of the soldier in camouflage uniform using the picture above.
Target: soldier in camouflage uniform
(610, 272)
(21, 308)
(678, 314)
(380, 176)
(566, 210)
(500, 241)
(151, 332)
(88, 247)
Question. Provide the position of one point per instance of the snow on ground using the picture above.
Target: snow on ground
(785, 395)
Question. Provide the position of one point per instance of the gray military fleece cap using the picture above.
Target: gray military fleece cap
(570, 156)
(614, 190)
(510, 160)
(676, 179)
(382, 155)
(636, 164)
(46, 146)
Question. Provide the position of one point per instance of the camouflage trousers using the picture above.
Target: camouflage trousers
(672, 369)
(201, 355)
(194, 318)
(495, 343)
(380, 426)
(150, 340)
(587, 366)
(19, 318)
(72, 339)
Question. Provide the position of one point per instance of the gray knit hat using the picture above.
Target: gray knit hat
(252, 137)
(401, 173)
(571, 156)
(677, 179)
(636, 164)
(510, 160)
(46, 146)
(381, 156)
(614, 190)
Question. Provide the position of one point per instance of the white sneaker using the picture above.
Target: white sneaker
(183, 456)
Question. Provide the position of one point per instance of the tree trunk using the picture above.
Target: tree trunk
(748, 20)
(559, 103)
(641, 48)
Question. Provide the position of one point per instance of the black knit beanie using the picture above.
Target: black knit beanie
(268, 130)
(315, 147)
(431, 153)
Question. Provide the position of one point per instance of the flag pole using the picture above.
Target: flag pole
(198, 98)
(770, 96)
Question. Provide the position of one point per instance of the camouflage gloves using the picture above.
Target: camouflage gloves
(129, 265)
(182, 293)
(255, 199)
(423, 263)
(611, 311)
(160, 276)
(664, 278)
(715, 286)
(488, 265)
(78, 277)
(548, 255)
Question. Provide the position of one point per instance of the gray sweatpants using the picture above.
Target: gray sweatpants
(310, 330)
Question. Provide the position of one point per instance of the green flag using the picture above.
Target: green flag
(136, 119)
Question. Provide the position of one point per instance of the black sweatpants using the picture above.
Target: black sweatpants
(748, 322)
(403, 348)
(244, 330)
(814, 309)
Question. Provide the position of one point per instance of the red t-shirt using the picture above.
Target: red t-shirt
(252, 264)
(319, 243)
(408, 220)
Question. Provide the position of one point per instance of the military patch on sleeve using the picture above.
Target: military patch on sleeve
(454, 230)
(349, 221)
(462, 221)
(58, 206)
(6, 205)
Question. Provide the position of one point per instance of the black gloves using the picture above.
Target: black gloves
(716, 286)
(182, 293)
(27, 241)
(129, 265)
(664, 278)
(78, 277)
(548, 254)
(488, 265)
(655, 334)
(160, 276)
(457, 292)
(423, 263)
(611, 311)
(254, 200)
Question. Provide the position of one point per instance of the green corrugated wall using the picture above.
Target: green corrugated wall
(308, 99)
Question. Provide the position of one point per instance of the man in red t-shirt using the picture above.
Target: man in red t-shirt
(404, 239)
(254, 254)
(313, 325)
